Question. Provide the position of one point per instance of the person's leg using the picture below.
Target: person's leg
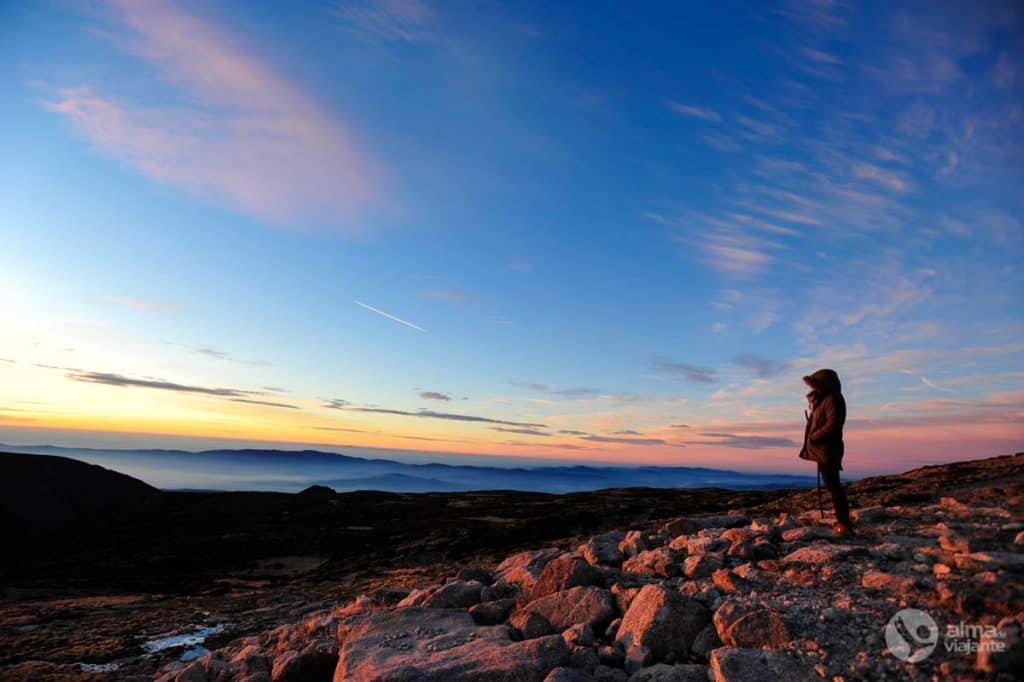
(830, 476)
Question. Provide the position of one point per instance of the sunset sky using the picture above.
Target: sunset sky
(587, 231)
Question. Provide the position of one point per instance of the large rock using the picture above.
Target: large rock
(754, 665)
(660, 626)
(661, 561)
(662, 672)
(592, 606)
(530, 625)
(604, 548)
(563, 572)
(702, 565)
(481, 575)
(492, 612)
(457, 594)
(751, 625)
(568, 675)
(705, 641)
(524, 568)
(439, 645)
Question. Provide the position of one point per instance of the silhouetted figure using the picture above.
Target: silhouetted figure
(823, 438)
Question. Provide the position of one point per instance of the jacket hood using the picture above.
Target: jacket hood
(826, 381)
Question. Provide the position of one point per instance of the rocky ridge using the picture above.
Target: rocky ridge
(747, 595)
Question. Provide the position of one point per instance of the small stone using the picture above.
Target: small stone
(879, 580)
(662, 672)
(1002, 651)
(633, 543)
(954, 542)
(754, 665)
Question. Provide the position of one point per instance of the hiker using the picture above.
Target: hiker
(823, 439)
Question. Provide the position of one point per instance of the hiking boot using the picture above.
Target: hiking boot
(843, 530)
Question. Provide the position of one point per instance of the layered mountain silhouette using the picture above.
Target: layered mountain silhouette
(295, 470)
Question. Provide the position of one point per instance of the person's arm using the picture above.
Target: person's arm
(832, 422)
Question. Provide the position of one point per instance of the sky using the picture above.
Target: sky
(575, 231)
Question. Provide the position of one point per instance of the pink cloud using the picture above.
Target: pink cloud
(248, 136)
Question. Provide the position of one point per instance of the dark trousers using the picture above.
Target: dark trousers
(830, 476)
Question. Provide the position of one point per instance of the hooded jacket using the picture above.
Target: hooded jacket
(823, 439)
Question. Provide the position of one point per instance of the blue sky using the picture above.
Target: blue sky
(599, 220)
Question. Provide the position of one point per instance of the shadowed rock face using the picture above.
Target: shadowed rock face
(804, 605)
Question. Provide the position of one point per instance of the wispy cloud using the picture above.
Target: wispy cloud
(341, 428)
(624, 441)
(112, 379)
(886, 178)
(217, 354)
(735, 253)
(146, 305)
(524, 432)
(408, 21)
(390, 316)
(453, 295)
(267, 403)
(250, 137)
(683, 371)
(335, 403)
(434, 395)
(430, 414)
(761, 366)
(568, 392)
(733, 440)
(693, 112)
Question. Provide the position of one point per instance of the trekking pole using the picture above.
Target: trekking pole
(821, 506)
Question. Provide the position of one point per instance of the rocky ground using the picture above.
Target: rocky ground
(752, 592)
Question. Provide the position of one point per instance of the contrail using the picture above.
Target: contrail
(390, 317)
(931, 384)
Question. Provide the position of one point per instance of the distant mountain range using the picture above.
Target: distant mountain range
(294, 470)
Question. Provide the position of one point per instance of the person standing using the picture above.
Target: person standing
(823, 439)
